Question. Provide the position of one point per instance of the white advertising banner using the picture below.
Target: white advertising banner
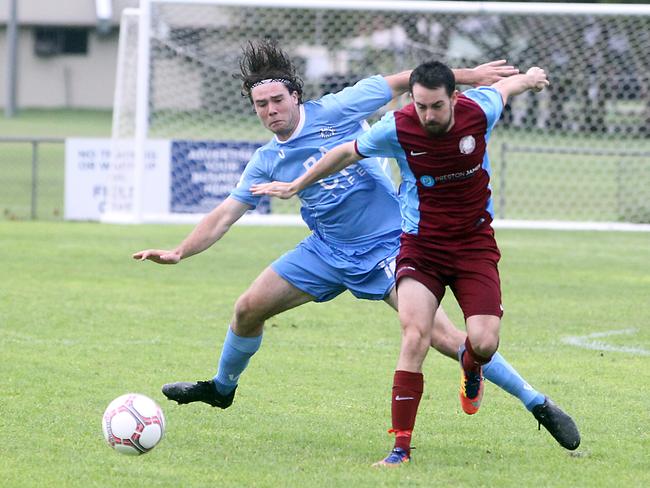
(92, 167)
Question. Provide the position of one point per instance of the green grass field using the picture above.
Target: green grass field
(81, 323)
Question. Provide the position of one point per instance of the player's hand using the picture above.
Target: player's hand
(276, 189)
(159, 256)
(537, 79)
(488, 73)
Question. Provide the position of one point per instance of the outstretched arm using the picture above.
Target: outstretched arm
(211, 228)
(331, 162)
(534, 79)
(483, 74)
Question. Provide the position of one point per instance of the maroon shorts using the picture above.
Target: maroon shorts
(467, 266)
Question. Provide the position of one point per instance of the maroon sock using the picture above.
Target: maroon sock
(407, 391)
(471, 360)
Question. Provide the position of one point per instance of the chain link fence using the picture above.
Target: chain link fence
(32, 178)
(577, 151)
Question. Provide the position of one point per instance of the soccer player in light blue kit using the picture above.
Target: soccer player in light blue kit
(354, 216)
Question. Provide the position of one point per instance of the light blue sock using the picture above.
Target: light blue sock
(235, 354)
(499, 372)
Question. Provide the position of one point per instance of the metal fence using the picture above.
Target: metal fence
(583, 184)
(569, 183)
(32, 178)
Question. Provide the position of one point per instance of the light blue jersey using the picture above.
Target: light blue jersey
(352, 207)
(354, 214)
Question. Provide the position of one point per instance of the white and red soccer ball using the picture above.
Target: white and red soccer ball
(133, 424)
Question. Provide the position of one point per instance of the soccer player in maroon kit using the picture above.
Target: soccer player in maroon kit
(439, 142)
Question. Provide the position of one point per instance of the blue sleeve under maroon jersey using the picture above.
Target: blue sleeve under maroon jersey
(490, 101)
(380, 140)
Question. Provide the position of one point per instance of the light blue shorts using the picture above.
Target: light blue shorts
(325, 272)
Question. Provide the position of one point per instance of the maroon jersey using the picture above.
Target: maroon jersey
(445, 192)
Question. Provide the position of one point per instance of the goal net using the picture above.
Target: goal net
(577, 152)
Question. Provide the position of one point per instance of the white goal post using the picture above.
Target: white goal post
(576, 155)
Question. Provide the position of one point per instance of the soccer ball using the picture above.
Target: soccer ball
(133, 424)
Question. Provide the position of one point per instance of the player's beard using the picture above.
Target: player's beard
(437, 128)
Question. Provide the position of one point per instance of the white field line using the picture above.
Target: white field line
(590, 341)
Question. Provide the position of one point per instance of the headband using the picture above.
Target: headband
(271, 80)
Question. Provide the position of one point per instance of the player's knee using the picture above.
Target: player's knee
(484, 335)
(415, 338)
(247, 317)
(486, 345)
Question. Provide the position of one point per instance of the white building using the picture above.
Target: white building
(66, 52)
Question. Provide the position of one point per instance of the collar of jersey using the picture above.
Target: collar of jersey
(297, 130)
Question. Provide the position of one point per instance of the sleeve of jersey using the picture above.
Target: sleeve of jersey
(380, 140)
(490, 101)
(359, 101)
(253, 173)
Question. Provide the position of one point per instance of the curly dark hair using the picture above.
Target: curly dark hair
(264, 60)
